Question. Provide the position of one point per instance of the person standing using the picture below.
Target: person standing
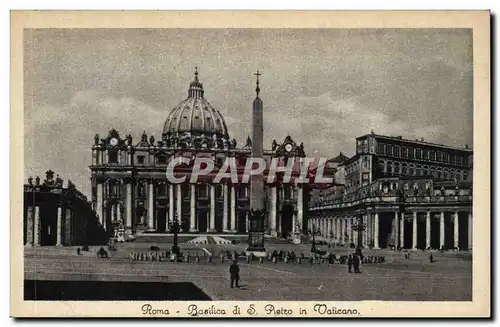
(349, 263)
(234, 271)
(356, 262)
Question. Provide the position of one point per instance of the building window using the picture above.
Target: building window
(439, 174)
(426, 154)
(426, 171)
(162, 160)
(202, 191)
(404, 151)
(419, 154)
(366, 162)
(397, 150)
(433, 172)
(140, 160)
(365, 146)
(452, 175)
(440, 156)
(404, 170)
(432, 155)
(389, 167)
(418, 171)
(411, 153)
(396, 168)
(388, 150)
(464, 176)
(112, 156)
(161, 190)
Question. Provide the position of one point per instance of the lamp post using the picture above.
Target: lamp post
(175, 228)
(359, 226)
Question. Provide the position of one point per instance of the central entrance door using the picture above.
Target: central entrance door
(161, 219)
(286, 220)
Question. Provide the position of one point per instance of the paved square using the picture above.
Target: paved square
(449, 278)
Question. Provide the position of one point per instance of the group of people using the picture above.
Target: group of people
(354, 261)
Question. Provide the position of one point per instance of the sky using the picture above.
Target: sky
(323, 87)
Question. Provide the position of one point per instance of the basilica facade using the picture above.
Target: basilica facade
(130, 187)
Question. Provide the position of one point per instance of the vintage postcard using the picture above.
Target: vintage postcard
(250, 164)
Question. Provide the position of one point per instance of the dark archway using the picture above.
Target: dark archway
(287, 211)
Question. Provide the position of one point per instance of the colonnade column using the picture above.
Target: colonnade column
(128, 215)
(428, 230)
(369, 229)
(212, 208)
(337, 229)
(395, 229)
(59, 226)
(29, 226)
(151, 206)
(414, 230)
(469, 231)
(36, 227)
(170, 204)
(455, 229)
(233, 209)
(68, 227)
(365, 231)
(192, 209)
(225, 220)
(375, 231)
(441, 230)
(402, 231)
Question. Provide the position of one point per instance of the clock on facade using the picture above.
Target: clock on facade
(113, 141)
(288, 147)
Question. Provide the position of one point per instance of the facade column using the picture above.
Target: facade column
(151, 206)
(455, 229)
(344, 230)
(128, 215)
(233, 209)
(99, 204)
(300, 208)
(170, 204)
(59, 226)
(375, 231)
(225, 218)
(192, 209)
(178, 208)
(441, 230)
(36, 227)
(469, 231)
(369, 229)
(428, 230)
(402, 231)
(272, 212)
(212, 208)
(68, 227)
(337, 230)
(415, 231)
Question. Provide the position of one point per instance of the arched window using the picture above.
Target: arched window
(426, 171)
(404, 170)
(446, 174)
(411, 170)
(452, 174)
(418, 170)
(389, 167)
(439, 174)
(396, 168)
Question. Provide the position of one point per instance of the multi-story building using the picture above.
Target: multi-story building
(130, 186)
(402, 193)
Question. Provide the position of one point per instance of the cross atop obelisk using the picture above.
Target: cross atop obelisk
(257, 89)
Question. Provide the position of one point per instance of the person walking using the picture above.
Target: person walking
(349, 263)
(234, 271)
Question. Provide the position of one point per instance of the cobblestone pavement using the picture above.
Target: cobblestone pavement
(414, 279)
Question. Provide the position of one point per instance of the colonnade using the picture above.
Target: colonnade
(339, 229)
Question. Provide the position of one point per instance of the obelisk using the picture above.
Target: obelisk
(257, 210)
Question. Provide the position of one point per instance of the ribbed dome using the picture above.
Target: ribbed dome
(195, 115)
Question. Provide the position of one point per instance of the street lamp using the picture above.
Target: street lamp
(175, 228)
(359, 226)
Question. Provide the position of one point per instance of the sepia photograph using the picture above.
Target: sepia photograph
(178, 167)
